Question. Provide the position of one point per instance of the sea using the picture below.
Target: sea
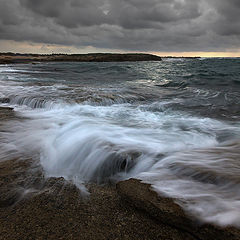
(174, 124)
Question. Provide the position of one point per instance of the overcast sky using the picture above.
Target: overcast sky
(120, 25)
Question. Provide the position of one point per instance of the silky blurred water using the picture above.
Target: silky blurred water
(174, 124)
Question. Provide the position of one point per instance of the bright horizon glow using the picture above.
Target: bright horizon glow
(40, 48)
(198, 54)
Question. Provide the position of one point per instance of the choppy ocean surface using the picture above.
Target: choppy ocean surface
(174, 124)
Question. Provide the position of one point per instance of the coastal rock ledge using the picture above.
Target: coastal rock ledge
(165, 210)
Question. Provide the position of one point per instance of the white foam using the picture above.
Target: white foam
(178, 154)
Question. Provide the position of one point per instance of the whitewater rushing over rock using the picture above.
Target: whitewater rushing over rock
(170, 124)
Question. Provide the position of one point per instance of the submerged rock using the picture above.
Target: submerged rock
(15, 177)
(4, 100)
(6, 113)
(165, 210)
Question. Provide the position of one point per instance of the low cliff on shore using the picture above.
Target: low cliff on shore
(10, 58)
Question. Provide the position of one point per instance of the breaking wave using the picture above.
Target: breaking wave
(87, 133)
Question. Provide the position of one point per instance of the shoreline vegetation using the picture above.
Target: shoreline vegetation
(33, 207)
(12, 58)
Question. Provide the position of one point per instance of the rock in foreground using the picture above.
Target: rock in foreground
(165, 210)
(32, 207)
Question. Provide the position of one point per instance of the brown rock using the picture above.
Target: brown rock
(57, 211)
(165, 210)
(14, 178)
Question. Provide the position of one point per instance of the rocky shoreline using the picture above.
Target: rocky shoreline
(12, 58)
(32, 207)
(165, 210)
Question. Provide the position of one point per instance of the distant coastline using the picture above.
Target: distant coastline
(11, 58)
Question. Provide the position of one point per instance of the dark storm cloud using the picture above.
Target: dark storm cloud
(228, 17)
(141, 14)
(153, 25)
(69, 13)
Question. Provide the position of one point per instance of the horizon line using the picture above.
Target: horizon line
(165, 55)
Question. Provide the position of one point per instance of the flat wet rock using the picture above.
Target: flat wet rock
(165, 210)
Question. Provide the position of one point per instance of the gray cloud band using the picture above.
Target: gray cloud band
(153, 25)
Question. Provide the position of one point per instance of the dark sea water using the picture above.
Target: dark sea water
(174, 124)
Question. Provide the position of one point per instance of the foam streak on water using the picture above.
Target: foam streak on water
(112, 130)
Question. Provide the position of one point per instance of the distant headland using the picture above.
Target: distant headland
(9, 58)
